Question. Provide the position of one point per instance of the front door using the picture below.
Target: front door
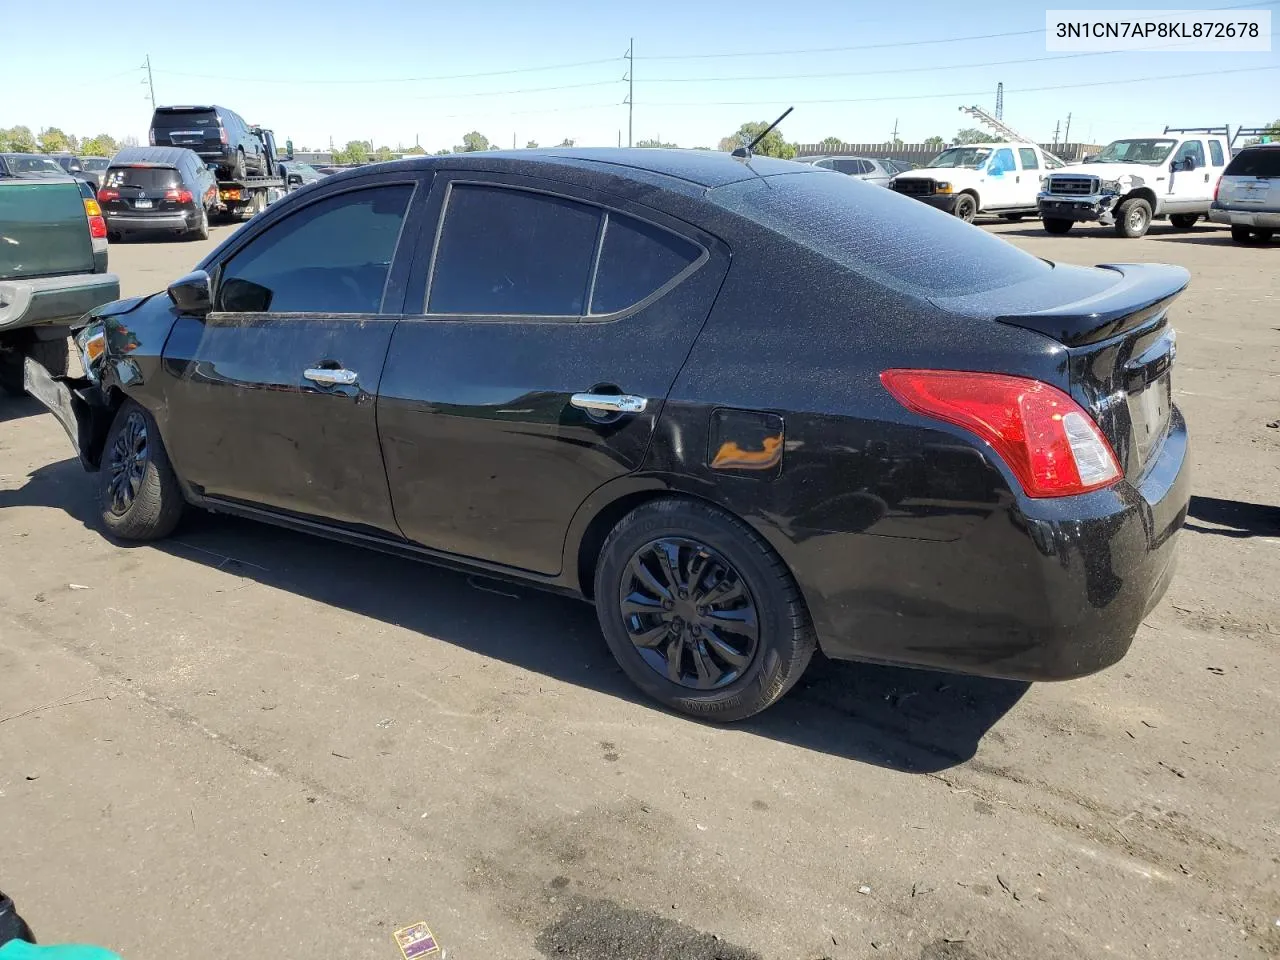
(555, 323)
(1000, 189)
(1189, 176)
(274, 401)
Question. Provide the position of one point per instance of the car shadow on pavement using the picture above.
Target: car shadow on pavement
(1233, 518)
(910, 720)
(15, 408)
(1221, 239)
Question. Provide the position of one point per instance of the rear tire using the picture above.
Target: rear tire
(141, 499)
(1183, 221)
(966, 207)
(1055, 225)
(1243, 234)
(201, 231)
(237, 166)
(710, 603)
(1264, 236)
(50, 354)
(1133, 218)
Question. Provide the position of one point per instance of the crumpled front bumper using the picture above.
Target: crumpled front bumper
(77, 404)
(1098, 207)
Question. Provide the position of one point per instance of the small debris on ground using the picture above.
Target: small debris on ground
(77, 586)
(864, 890)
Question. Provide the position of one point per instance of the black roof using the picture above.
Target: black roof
(161, 156)
(691, 172)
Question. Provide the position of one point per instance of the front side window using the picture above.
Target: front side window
(1002, 163)
(505, 252)
(331, 257)
(1192, 150)
(1029, 159)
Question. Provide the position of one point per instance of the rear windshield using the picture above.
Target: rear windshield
(28, 165)
(145, 178)
(1263, 162)
(184, 120)
(883, 235)
(95, 163)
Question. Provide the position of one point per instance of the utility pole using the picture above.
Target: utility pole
(513, 139)
(1056, 127)
(631, 88)
(619, 136)
(895, 130)
(1000, 100)
(150, 83)
(1066, 137)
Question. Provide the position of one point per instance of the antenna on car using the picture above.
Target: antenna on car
(744, 153)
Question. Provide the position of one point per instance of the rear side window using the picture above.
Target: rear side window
(144, 178)
(331, 257)
(1257, 162)
(1029, 159)
(505, 252)
(882, 235)
(1215, 152)
(636, 260)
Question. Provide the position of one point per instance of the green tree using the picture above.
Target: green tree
(54, 140)
(772, 145)
(972, 135)
(473, 142)
(356, 151)
(18, 140)
(414, 151)
(831, 142)
(1272, 134)
(103, 145)
(382, 153)
(443, 153)
(531, 145)
(566, 142)
(936, 142)
(657, 143)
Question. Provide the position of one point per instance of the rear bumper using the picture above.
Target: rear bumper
(53, 300)
(1042, 590)
(126, 223)
(1236, 216)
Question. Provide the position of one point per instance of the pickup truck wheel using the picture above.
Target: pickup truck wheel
(141, 499)
(1133, 217)
(1056, 225)
(1184, 221)
(1242, 234)
(700, 612)
(50, 354)
(966, 207)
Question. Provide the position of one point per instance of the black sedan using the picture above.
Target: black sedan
(747, 408)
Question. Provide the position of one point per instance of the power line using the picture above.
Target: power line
(953, 93)
(456, 76)
(504, 93)
(865, 46)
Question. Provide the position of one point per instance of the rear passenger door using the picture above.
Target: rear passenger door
(539, 305)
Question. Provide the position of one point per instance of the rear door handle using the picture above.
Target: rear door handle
(330, 378)
(609, 402)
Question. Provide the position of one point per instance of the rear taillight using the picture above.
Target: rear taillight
(222, 134)
(97, 226)
(1216, 188)
(108, 193)
(182, 196)
(151, 136)
(1051, 444)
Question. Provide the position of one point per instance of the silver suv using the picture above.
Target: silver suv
(1248, 195)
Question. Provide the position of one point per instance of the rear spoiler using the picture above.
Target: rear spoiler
(1143, 291)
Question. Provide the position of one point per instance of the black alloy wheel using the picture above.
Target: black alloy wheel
(966, 208)
(689, 613)
(127, 463)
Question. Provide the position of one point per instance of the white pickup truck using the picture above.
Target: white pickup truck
(1133, 181)
(1000, 178)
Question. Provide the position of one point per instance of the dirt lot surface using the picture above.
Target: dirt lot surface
(243, 742)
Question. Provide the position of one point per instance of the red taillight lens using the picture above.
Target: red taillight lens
(182, 196)
(222, 134)
(108, 193)
(1216, 187)
(1050, 443)
(97, 228)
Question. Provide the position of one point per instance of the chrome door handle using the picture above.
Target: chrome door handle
(329, 378)
(609, 402)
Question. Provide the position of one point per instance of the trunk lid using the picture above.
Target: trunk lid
(44, 230)
(1120, 345)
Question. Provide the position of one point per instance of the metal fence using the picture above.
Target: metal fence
(922, 153)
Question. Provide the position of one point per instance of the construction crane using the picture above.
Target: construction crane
(1003, 129)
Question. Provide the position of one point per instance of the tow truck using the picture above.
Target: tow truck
(245, 196)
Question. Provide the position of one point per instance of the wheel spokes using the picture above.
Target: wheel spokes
(675, 654)
(638, 570)
(725, 652)
(637, 604)
(669, 563)
(741, 620)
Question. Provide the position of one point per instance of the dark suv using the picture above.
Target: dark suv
(218, 135)
(157, 190)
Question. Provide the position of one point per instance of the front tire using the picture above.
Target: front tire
(700, 612)
(1013, 217)
(1183, 221)
(141, 499)
(1056, 225)
(966, 207)
(1133, 217)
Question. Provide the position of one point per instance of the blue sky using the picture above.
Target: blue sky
(291, 67)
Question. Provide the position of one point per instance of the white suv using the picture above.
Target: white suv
(1133, 181)
(1248, 195)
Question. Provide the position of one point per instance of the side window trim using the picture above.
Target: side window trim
(393, 290)
(585, 317)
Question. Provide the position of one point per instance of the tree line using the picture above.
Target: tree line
(53, 140)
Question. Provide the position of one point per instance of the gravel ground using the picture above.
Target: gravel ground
(244, 741)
